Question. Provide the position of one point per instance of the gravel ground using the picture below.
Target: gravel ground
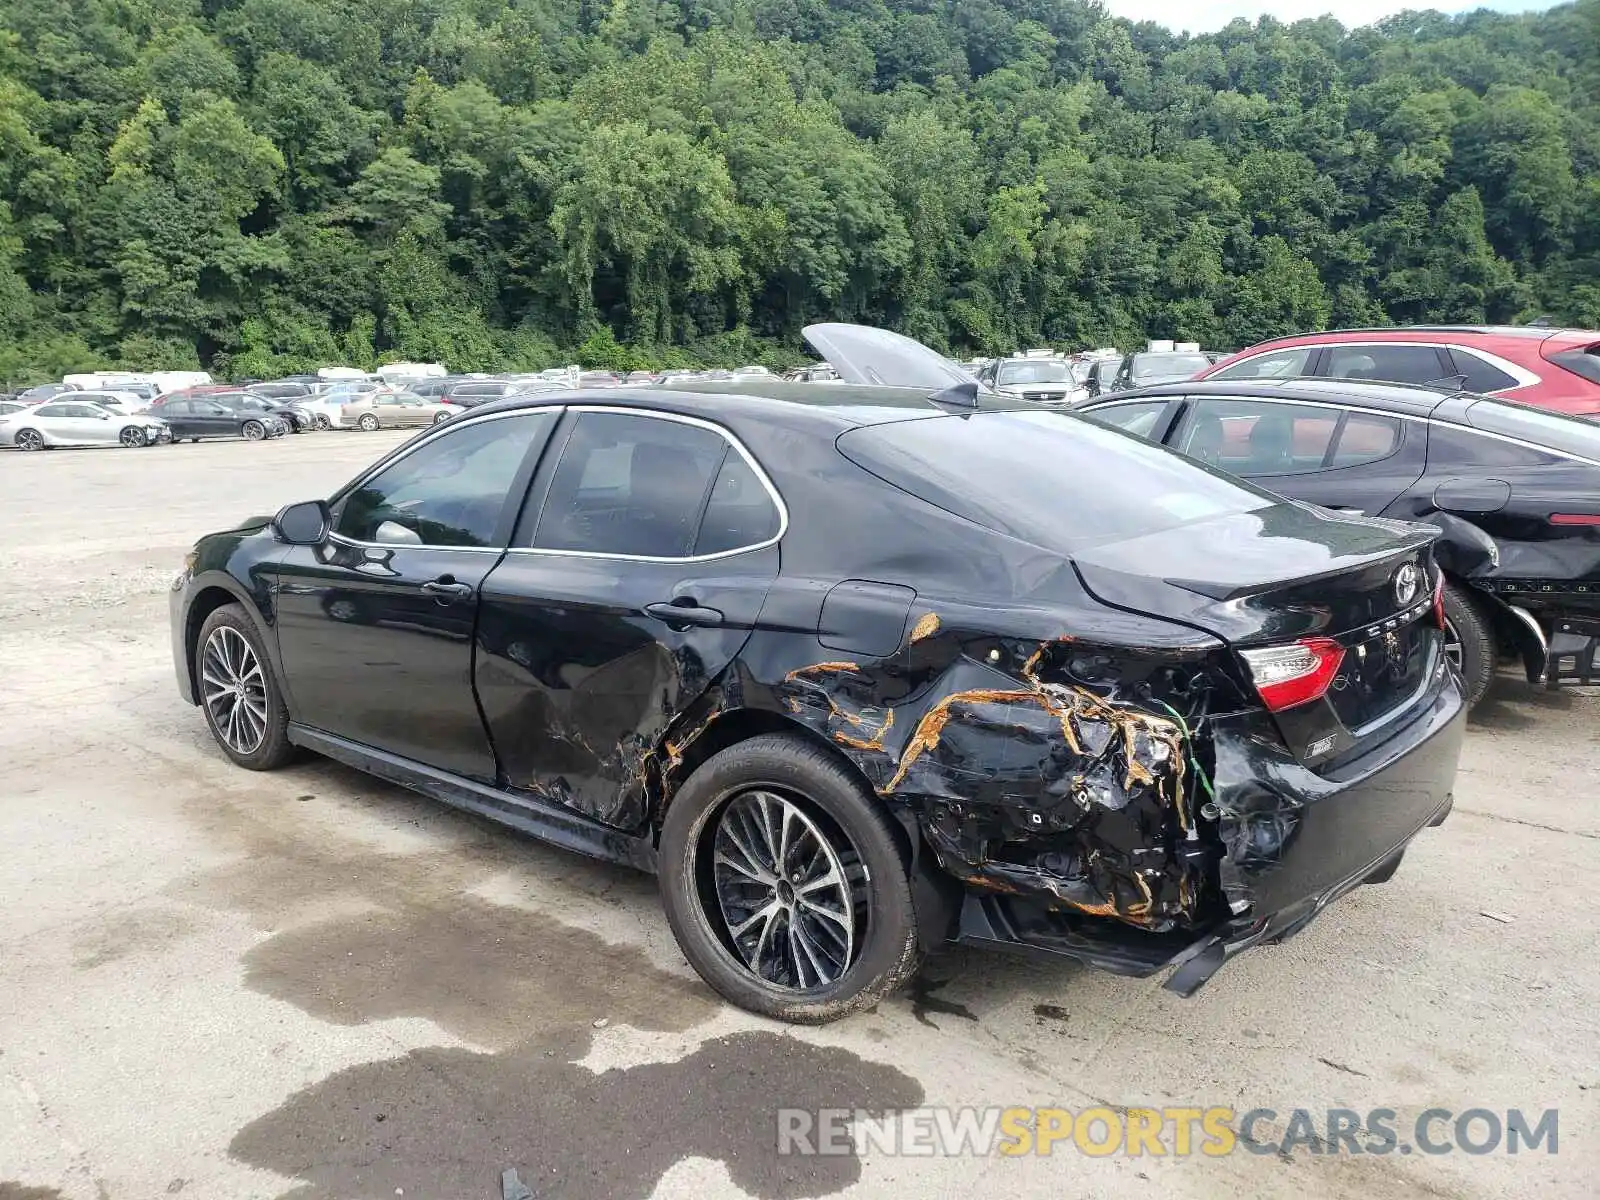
(311, 984)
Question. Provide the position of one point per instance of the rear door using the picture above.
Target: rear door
(1348, 459)
(633, 581)
(375, 625)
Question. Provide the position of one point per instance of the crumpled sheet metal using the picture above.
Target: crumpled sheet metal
(1024, 778)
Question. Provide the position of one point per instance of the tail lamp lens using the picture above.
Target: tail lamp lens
(1287, 676)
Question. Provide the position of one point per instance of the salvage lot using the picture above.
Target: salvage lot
(312, 984)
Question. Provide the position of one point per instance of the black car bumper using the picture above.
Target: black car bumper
(1355, 829)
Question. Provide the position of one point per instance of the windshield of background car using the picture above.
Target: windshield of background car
(1166, 365)
(1051, 479)
(1034, 372)
(1570, 435)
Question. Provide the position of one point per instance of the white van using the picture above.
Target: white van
(401, 371)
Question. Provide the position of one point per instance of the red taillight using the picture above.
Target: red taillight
(1575, 518)
(1287, 676)
(1438, 600)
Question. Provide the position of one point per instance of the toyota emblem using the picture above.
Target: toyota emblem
(1407, 583)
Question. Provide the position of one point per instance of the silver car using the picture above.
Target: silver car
(66, 422)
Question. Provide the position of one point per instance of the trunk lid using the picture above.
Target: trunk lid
(1283, 575)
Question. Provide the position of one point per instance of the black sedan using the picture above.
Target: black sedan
(1514, 491)
(203, 415)
(858, 670)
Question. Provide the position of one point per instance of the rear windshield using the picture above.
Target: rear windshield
(1047, 371)
(1049, 478)
(1569, 435)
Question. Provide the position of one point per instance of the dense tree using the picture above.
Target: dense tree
(267, 185)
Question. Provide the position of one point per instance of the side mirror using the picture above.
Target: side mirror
(303, 524)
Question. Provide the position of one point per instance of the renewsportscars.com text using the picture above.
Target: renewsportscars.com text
(1211, 1132)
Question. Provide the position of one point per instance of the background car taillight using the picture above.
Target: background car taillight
(1286, 676)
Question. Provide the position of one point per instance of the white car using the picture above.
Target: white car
(118, 400)
(71, 422)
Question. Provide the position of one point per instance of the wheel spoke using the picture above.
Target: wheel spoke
(723, 860)
(791, 917)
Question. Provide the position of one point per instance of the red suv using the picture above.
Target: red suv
(1552, 368)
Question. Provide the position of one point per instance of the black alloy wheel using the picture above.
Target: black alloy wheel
(786, 882)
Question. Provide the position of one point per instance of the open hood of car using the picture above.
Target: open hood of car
(862, 354)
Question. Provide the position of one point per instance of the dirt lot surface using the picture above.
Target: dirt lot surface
(221, 984)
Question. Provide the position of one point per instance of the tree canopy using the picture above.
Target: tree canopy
(261, 186)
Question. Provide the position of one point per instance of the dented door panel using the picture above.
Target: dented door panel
(578, 683)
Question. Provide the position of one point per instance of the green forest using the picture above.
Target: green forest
(263, 186)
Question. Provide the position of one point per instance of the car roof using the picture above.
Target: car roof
(1432, 333)
(826, 405)
(1399, 398)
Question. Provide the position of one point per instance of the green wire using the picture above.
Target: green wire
(1188, 740)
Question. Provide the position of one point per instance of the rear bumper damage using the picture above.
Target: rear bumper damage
(1320, 848)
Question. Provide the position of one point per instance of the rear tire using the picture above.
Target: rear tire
(368, 422)
(841, 845)
(29, 440)
(1469, 641)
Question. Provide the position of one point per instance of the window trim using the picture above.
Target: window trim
(681, 419)
(429, 434)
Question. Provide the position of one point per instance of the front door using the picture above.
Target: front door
(375, 626)
(621, 600)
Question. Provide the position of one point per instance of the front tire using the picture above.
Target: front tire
(253, 431)
(443, 416)
(321, 423)
(1469, 642)
(132, 436)
(831, 932)
(243, 706)
(368, 422)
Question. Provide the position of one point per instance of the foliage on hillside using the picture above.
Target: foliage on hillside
(265, 185)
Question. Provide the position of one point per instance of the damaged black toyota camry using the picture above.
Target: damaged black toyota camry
(859, 670)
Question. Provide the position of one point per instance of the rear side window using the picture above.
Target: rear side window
(1366, 437)
(450, 491)
(1049, 478)
(639, 486)
(740, 511)
(1280, 364)
(1389, 363)
(1477, 375)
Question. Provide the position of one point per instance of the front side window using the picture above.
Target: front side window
(450, 491)
(1280, 364)
(638, 485)
(1388, 363)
